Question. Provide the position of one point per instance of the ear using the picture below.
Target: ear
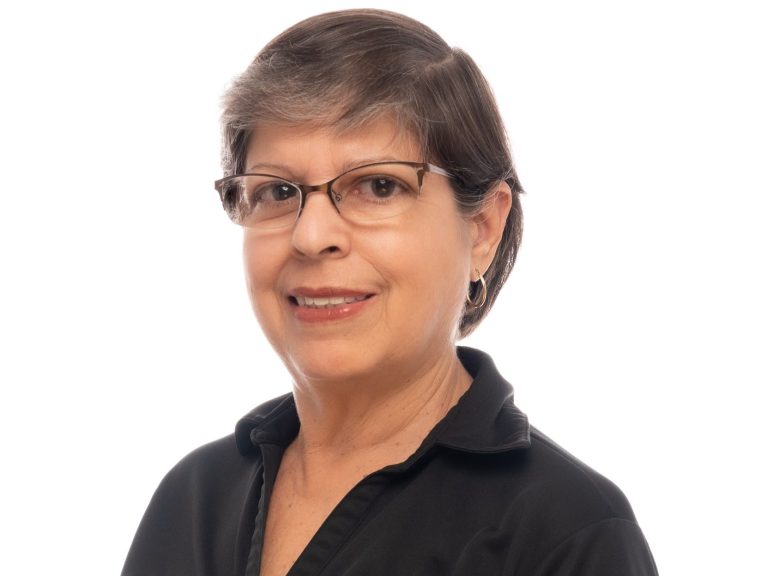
(488, 225)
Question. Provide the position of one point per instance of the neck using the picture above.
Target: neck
(365, 417)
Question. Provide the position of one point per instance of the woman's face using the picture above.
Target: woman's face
(403, 279)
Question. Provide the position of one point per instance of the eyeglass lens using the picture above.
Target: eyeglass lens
(364, 194)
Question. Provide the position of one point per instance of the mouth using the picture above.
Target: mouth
(326, 301)
(322, 305)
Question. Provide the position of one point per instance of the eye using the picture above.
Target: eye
(383, 187)
(380, 187)
(275, 192)
(376, 191)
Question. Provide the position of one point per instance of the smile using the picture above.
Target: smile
(326, 301)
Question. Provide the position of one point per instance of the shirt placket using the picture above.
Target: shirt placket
(337, 530)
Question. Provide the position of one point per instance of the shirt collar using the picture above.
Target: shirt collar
(485, 419)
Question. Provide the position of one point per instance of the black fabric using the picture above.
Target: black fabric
(483, 495)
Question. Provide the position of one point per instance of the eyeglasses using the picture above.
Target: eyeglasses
(364, 194)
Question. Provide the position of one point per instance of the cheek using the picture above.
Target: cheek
(448, 261)
(261, 262)
(428, 267)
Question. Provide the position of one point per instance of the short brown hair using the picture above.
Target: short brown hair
(346, 68)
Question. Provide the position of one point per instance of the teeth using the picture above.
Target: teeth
(326, 302)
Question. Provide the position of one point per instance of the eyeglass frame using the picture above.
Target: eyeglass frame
(327, 187)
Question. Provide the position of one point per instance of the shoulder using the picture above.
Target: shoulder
(536, 477)
(566, 481)
(213, 462)
(205, 478)
(197, 506)
(581, 521)
(221, 452)
(226, 460)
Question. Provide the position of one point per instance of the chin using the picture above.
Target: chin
(332, 363)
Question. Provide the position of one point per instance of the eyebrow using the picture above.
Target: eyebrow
(349, 165)
(267, 165)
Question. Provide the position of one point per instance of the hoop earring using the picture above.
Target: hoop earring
(474, 301)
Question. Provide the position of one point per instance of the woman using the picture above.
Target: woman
(367, 163)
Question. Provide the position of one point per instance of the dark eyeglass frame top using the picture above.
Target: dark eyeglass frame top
(327, 187)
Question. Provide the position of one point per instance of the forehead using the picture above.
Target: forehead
(301, 148)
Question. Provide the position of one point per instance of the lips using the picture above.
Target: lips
(320, 305)
(326, 301)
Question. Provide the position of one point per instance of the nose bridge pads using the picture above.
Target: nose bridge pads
(333, 196)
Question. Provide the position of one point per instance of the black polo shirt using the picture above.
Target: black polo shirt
(483, 495)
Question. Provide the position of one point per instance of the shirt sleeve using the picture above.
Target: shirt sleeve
(163, 544)
(200, 520)
(611, 547)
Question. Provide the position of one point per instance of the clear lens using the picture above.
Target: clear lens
(365, 194)
(376, 192)
(261, 201)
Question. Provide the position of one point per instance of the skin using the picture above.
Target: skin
(369, 387)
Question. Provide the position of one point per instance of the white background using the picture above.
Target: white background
(633, 328)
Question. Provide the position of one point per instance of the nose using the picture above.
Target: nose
(320, 231)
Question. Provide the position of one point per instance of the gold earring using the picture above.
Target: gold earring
(473, 301)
